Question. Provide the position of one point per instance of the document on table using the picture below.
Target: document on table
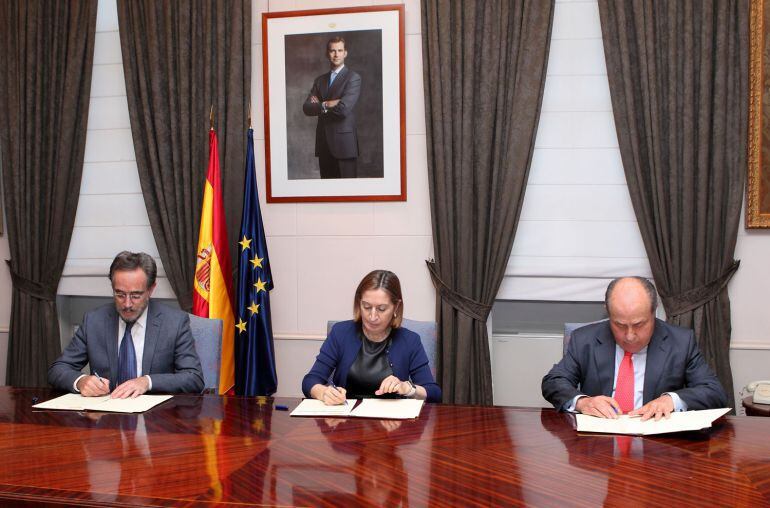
(315, 407)
(678, 422)
(396, 409)
(76, 402)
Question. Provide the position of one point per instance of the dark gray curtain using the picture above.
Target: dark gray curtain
(678, 79)
(181, 57)
(484, 67)
(46, 57)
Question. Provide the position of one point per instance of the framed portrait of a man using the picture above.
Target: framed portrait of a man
(334, 104)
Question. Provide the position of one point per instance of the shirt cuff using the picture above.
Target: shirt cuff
(75, 384)
(679, 404)
(569, 406)
(149, 381)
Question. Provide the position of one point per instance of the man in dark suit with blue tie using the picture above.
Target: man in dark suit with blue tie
(333, 99)
(134, 345)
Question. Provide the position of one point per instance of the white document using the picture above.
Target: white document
(76, 402)
(396, 409)
(315, 407)
(678, 422)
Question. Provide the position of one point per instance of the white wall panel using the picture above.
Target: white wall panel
(108, 113)
(576, 57)
(108, 80)
(107, 48)
(284, 296)
(576, 20)
(573, 238)
(577, 203)
(100, 178)
(593, 129)
(111, 210)
(411, 217)
(107, 16)
(415, 95)
(416, 286)
(577, 93)
(329, 269)
(323, 219)
(106, 241)
(109, 145)
(576, 166)
(279, 219)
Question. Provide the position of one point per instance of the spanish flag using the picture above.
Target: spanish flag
(213, 286)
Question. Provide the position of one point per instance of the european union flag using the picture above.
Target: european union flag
(254, 353)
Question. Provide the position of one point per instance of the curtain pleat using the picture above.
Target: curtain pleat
(180, 58)
(46, 57)
(678, 81)
(484, 66)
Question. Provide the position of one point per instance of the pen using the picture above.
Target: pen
(281, 407)
(335, 387)
(99, 377)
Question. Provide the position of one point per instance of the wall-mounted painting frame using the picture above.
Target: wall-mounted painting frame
(318, 149)
(758, 178)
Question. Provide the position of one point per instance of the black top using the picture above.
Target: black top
(370, 367)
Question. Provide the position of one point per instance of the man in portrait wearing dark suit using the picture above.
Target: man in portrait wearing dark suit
(133, 345)
(632, 363)
(333, 99)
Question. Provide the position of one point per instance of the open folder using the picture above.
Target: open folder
(677, 422)
(76, 402)
(395, 409)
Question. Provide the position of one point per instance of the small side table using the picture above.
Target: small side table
(753, 409)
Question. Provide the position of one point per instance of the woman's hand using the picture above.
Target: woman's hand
(333, 396)
(392, 384)
(328, 394)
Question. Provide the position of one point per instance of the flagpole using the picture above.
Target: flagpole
(211, 117)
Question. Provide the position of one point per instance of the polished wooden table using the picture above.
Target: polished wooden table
(208, 450)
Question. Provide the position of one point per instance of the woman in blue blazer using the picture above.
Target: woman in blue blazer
(372, 355)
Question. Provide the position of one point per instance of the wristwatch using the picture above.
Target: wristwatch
(412, 391)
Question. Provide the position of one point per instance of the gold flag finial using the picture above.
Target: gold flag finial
(249, 114)
(211, 117)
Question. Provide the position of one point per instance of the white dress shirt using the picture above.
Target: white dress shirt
(137, 337)
(639, 361)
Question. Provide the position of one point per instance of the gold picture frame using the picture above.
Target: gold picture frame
(758, 181)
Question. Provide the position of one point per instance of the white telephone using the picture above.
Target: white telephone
(761, 391)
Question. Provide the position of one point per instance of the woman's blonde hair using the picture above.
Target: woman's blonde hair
(388, 282)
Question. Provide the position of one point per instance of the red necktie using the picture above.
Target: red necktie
(624, 389)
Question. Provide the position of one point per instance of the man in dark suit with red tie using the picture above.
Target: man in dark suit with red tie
(632, 363)
(333, 99)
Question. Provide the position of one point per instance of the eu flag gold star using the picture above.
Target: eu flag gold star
(257, 261)
(245, 243)
(260, 285)
(241, 325)
(254, 308)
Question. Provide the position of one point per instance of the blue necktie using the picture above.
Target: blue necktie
(126, 357)
(331, 78)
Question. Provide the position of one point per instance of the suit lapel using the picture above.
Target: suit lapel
(604, 357)
(112, 346)
(657, 352)
(150, 337)
(324, 86)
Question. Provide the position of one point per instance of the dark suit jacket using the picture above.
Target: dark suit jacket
(407, 357)
(674, 364)
(169, 351)
(338, 123)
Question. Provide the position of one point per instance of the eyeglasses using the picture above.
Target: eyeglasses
(135, 296)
